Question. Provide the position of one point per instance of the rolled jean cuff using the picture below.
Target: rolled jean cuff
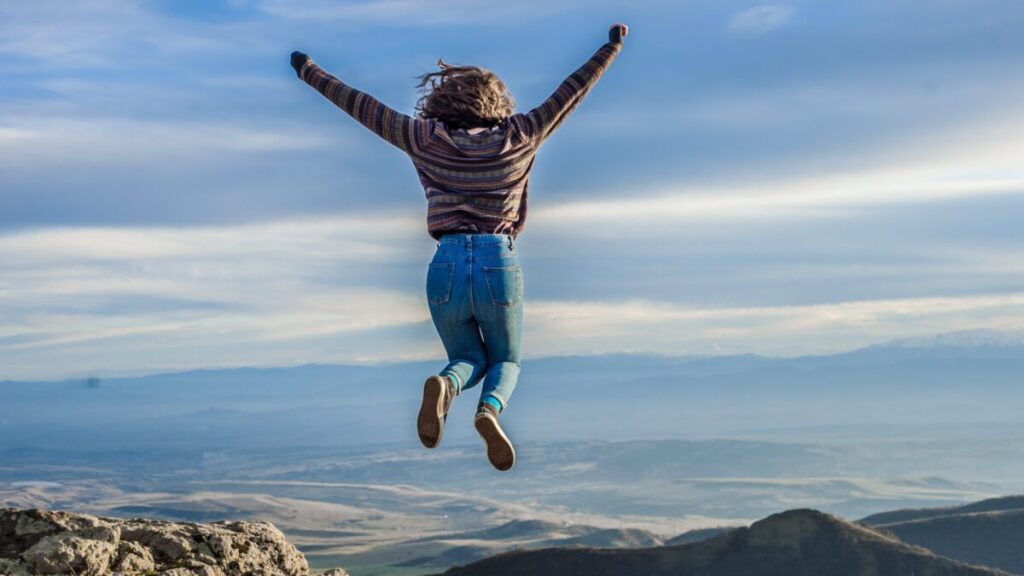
(502, 401)
(454, 378)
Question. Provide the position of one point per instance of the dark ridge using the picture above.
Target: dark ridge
(793, 543)
(1002, 504)
(456, 555)
(611, 538)
(528, 535)
(521, 529)
(698, 535)
(988, 538)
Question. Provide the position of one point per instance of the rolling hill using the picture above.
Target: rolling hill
(1003, 504)
(444, 550)
(989, 532)
(793, 543)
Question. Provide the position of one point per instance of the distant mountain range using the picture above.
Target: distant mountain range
(963, 339)
(794, 543)
(948, 379)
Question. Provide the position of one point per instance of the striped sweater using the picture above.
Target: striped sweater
(474, 182)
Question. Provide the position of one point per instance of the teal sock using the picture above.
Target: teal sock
(455, 380)
(493, 402)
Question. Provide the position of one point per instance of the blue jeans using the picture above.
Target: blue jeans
(475, 293)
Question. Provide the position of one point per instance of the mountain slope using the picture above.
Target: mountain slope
(698, 535)
(794, 543)
(990, 532)
(1004, 504)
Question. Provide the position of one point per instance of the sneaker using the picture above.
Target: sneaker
(438, 393)
(499, 448)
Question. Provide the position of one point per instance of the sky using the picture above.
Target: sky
(778, 178)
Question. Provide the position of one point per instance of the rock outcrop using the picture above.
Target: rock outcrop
(39, 542)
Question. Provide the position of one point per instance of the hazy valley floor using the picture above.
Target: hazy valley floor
(656, 447)
(405, 510)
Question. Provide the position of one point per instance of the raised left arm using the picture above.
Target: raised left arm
(549, 115)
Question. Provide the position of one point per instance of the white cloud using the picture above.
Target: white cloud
(10, 135)
(964, 162)
(106, 34)
(414, 12)
(72, 34)
(301, 290)
(883, 93)
(658, 327)
(824, 198)
(323, 290)
(119, 299)
(761, 18)
(28, 142)
(307, 289)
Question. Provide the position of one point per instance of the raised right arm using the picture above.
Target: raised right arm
(391, 125)
(546, 118)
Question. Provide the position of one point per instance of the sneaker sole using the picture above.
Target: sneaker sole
(500, 452)
(430, 422)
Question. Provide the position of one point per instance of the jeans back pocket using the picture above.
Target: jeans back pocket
(505, 283)
(439, 282)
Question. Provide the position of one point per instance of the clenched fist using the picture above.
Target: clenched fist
(298, 61)
(617, 33)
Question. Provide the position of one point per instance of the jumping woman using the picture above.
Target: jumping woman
(473, 157)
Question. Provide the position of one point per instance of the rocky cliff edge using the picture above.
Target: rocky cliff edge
(40, 542)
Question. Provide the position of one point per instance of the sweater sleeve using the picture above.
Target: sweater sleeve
(391, 125)
(544, 119)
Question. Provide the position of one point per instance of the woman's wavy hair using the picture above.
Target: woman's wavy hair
(464, 96)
